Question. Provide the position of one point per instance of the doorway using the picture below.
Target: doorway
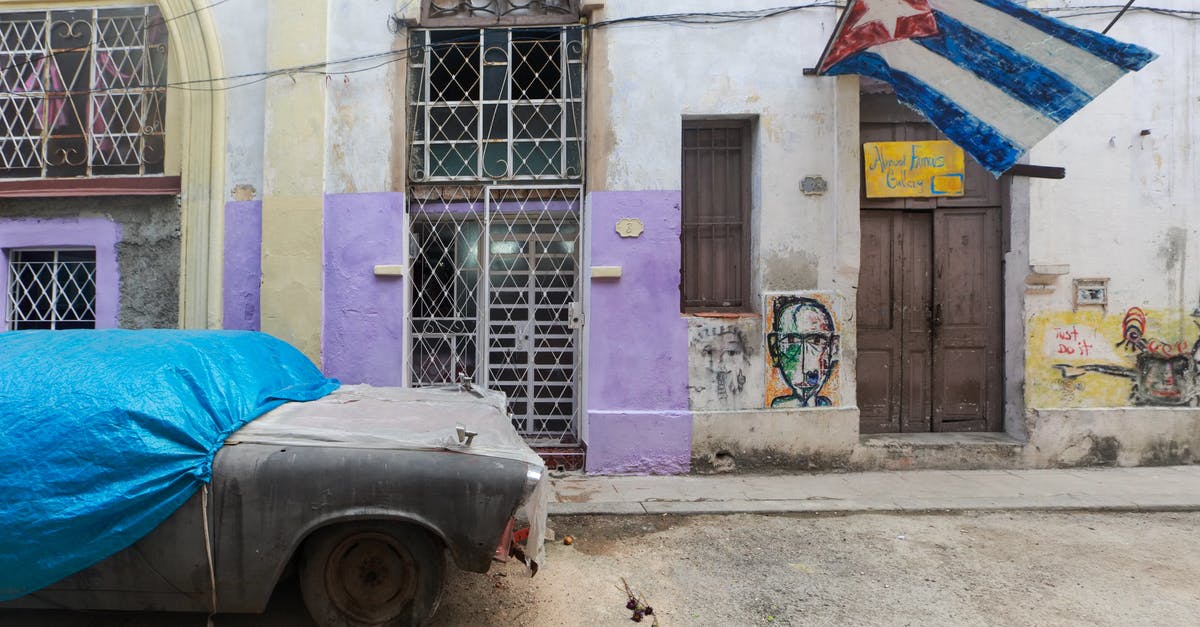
(930, 309)
(495, 299)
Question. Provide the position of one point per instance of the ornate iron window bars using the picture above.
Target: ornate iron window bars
(82, 92)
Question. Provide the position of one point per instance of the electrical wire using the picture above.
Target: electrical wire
(145, 27)
(329, 68)
(692, 18)
(715, 17)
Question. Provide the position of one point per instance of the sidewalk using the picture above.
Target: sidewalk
(1168, 488)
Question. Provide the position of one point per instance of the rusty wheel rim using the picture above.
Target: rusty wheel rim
(370, 577)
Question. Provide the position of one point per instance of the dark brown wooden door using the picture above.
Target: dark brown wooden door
(929, 305)
(929, 320)
(894, 328)
(966, 320)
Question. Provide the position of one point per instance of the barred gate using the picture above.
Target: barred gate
(495, 298)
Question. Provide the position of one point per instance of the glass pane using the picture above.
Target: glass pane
(536, 158)
(454, 65)
(495, 121)
(536, 67)
(495, 160)
(66, 156)
(537, 121)
(453, 159)
(495, 80)
(454, 123)
(574, 39)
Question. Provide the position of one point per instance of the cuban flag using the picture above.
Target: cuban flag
(993, 76)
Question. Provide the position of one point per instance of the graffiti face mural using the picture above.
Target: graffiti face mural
(802, 345)
(1164, 373)
(724, 371)
(724, 355)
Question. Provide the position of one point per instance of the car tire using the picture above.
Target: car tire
(372, 574)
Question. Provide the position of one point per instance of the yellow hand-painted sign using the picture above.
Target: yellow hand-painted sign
(913, 169)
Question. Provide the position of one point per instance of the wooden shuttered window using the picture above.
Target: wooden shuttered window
(716, 216)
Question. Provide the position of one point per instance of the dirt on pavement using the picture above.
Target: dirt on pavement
(938, 569)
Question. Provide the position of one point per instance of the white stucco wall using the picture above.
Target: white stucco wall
(648, 77)
(363, 112)
(242, 28)
(365, 109)
(1128, 209)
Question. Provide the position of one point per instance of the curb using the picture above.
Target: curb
(679, 508)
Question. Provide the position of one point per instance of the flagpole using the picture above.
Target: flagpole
(816, 71)
(1114, 20)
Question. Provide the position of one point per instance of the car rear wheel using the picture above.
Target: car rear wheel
(372, 574)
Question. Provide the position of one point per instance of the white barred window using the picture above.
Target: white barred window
(51, 289)
(496, 104)
(82, 92)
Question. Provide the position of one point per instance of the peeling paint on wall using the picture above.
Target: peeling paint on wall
(802, 339)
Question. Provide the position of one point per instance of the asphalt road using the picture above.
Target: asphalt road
(934, 569)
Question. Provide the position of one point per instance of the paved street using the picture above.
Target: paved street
(1086, 547)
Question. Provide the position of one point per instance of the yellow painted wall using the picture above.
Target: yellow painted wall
(1066, 349)
(293, 171)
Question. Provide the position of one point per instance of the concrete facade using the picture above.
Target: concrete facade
(137, 251)
(312, 180)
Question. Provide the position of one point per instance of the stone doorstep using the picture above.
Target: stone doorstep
(937, 451)
(940, 440)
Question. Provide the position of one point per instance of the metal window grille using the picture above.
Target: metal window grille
(51, 289)
(497, 104)
(495, 298)
(82, 92)
(716, 216)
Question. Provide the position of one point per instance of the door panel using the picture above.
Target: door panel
(879, 330)
(967, 323)
(916, 263)
(879, 133)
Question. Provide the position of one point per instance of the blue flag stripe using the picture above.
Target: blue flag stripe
(1127, 56)
(1014, 73)
(993, 151)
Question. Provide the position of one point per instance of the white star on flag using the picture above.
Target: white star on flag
(887, 13)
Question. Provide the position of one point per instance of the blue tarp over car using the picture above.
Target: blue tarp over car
(103, 434)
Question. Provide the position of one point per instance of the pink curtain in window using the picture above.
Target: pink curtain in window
(53, 114)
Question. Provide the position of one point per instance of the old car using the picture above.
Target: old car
(363, 492)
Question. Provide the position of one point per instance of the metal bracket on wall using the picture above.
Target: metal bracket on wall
(575, 313)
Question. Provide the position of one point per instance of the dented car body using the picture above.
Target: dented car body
(364, 492)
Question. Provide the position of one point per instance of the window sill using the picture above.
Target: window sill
(103, 186)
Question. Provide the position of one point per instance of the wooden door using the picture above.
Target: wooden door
(929, 321)
(967, 320)
(930, 332)
(894, 311)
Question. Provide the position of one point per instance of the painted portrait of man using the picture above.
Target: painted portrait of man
(803, 347)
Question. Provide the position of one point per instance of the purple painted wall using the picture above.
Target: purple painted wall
(638, 418)
(243, 265)
(362, 338)
(97, 233)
